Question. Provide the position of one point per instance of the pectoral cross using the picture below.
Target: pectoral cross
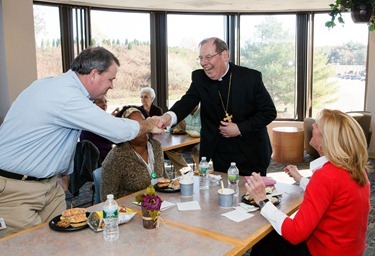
(228, 117)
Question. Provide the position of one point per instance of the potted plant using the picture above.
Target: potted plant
(150, 203)
(361, 11)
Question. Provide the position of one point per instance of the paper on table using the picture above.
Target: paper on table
(165, 205)
(287, 188)
(246, 208)
(188, 206)
(237, 215)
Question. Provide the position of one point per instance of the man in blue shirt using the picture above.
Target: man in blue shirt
(40, 132)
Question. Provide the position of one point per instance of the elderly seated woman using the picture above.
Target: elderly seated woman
(133, 165)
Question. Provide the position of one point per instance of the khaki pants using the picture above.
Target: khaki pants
(24, 204)
(175, 155)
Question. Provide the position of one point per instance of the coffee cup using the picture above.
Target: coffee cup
(186, 189)
(225, 197)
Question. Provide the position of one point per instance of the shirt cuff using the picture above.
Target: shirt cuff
(274, 216)
(303, 183)
(173, 118)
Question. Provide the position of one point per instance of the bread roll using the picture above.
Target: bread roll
(73, 212)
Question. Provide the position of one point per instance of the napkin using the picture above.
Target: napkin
(237, 215)
(165, 205)
(246, 208)
(188, 206)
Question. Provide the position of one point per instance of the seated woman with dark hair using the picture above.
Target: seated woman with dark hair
(332, 218)
(134, 165)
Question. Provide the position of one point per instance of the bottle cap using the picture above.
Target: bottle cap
(109, 196)
(203, 158)
(233, 163)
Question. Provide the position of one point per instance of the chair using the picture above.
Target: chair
(364, 120)
(86, 160)
(307, 126)
(97, 174)
(362, 117)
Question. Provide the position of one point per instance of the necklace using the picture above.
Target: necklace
(227, 118)
(150, 164)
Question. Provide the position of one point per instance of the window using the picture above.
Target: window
(339, 67)
(185, 32)
(130, 43)
(47, 40)
(267, 44)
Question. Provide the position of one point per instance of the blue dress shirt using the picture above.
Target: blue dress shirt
(40, 131)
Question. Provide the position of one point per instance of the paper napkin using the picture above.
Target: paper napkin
(237, 215)
(188, 206)
(165, 205)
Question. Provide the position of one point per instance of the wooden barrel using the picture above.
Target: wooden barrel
(287, 145)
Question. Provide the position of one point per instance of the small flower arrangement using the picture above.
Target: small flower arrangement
(150, 202)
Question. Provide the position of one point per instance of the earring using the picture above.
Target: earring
(320, 148)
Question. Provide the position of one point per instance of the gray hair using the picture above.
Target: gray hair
(219, 44)
(148, 90)
(92, 58)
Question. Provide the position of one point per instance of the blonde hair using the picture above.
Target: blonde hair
(344, 143)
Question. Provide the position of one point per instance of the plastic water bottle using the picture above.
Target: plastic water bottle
(111, 230)
(233, 178)
(203, 174)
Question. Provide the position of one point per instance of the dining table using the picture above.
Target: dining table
(203, 231)
(170, 141)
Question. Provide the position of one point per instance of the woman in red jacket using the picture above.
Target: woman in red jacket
(332, 219)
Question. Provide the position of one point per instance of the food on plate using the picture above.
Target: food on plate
(96, 222)
(75, 217)
(193, 134)
(196, 172)
(78, 221)
(163, 183)
(176, 130)
(175, 184)
(63, 223)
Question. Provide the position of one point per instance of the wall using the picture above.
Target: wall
(17, 50)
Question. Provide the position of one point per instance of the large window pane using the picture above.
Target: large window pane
(127, 36)
(339, 68)
(47, 40)
(185, 32)
(268, 45)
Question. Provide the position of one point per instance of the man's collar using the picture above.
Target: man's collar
(221, 78)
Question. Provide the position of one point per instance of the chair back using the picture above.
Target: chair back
(364, 120)
(97, 174)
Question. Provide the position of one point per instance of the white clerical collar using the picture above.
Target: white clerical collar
(221, 78)
(318, 163)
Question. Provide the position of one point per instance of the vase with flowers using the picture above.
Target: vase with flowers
(150, 203)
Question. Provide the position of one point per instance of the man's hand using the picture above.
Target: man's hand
(163, 121)
(150, 125)
(229, 130)
(255, 187)
(64, 181)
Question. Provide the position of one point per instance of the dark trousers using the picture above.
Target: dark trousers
(275, 245)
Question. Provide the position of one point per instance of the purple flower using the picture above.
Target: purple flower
(152, 202)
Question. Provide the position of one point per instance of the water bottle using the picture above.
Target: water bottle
(203, 174)
(233, 178)
(111, 230)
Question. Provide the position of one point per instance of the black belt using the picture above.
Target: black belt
(17, 176)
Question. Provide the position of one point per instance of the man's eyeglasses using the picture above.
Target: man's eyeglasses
(208, 57)
(145, 97)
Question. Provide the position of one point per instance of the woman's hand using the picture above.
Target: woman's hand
(292, 171)
(255, 187)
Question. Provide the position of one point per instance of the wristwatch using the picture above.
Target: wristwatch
(263, 203)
